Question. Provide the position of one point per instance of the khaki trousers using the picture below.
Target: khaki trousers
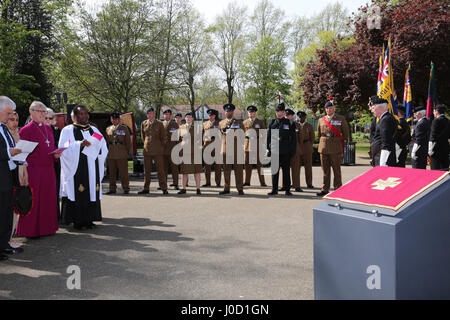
(249, 169)
(329, 161)
(173, 167)
(122, 166)
(238, 175)
(306, 161)
(162, 179)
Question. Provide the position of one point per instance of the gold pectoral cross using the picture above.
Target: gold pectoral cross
(388, 183)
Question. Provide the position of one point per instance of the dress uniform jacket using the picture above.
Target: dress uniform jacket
(257, 124)
(119, 142)
(154, 137)
(384, 139)
(225, 126)
(440, 134)
(329, 143)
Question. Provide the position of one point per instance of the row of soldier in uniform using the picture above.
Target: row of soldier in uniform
(295, 139)
(391, 140)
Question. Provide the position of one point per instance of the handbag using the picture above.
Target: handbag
(23, 200)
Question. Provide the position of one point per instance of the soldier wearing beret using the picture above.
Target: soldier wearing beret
(171, 127)
(333, 132)
(154, 136)
(306, 147)
(439, 139)
(420, 138)
(211, 124)
(178, 118)
(382, 147)
(119, 143)
(256, 124)
(227, 126)
(287, 147)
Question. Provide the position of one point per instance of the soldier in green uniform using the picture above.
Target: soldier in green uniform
(119, 144)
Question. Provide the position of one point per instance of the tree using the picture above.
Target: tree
(229, 44)
(419, 32)
(108, 58)
(193, 46)
(264, 72)
(268, 21)
(34, 16)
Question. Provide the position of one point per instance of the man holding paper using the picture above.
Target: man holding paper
(43, 218)
(82, 169)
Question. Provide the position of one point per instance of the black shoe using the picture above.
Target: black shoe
(288, 193)
(272, 193)
(173, 185)
(198, 191)
(206, 185)
(176, 187)
(182, 191)
(91, 226)
(322, 193)
(12, 250)
(110, 192)
(246, 184)
(218, 186)
(3, 257)
(310, 186)
(224, 192)
(241, 192)
(144, 192)
(159, 188)
(298, 189)
(165, 192)
(282, 189)
(263, 185)
(126, 191)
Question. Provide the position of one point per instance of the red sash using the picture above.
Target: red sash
(335, 131)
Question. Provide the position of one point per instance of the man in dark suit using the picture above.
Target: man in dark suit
(287, 148)
(439, 137)
(8, 178)
(419, 151)
(382, 147)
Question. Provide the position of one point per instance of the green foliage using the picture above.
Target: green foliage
(264, 73)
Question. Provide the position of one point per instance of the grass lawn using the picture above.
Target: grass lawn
(362, 147)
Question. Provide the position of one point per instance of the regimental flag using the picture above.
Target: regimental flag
(380, 71)
(407, 96)
(387, 91)
(432, 96)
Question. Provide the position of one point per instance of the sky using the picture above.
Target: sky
(293, 8)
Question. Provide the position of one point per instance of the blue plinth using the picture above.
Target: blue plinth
(360, 255)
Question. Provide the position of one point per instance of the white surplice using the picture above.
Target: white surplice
(69, 163)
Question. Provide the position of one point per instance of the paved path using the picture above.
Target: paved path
(179, 247)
